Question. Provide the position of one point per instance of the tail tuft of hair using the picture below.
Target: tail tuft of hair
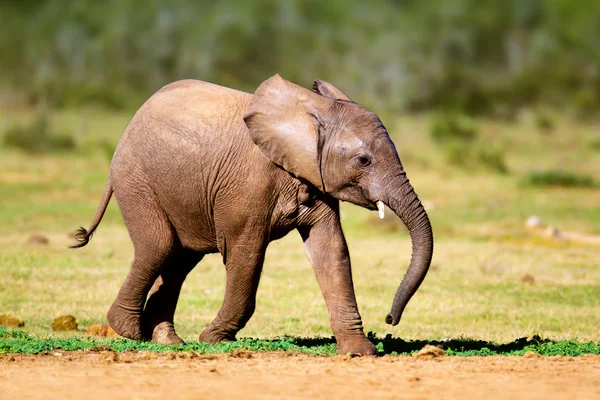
(82, 237)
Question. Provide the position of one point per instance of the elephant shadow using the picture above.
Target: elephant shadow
(463, 345)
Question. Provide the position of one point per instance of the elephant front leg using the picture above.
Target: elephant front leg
(243, 263)
(327, 250)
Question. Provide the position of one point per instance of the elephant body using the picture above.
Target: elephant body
(188, 152)
(203, 169)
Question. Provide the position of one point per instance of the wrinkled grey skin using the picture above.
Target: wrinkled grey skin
(203, 169)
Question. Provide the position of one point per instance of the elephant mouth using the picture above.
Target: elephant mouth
(377, 206)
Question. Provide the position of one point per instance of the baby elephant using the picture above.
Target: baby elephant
(203, 169)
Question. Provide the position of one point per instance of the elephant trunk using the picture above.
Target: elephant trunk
(404, 202)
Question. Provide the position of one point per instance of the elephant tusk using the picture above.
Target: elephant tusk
(381, 208)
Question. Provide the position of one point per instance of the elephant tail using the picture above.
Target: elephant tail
(83, 236)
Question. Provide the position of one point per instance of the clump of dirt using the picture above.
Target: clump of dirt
(109, 356)
(239, 353)
(531, 354)
(187, 355)
(100, 348)
(208, 356)
(65, 323)
(11, 320)
(342, 357)
(148, 355)
(38, 239)
(101, 330)
(528, 278)
(553, 232)
(428, 352)
(97, 330)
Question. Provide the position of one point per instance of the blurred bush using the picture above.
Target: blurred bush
(490, 157)
(594, 144)
(477, 57)
(38, 137)
(458, 137)
(451, 127)
(558, 177)
(107, 148)
(545, 121)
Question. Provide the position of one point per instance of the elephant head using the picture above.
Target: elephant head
(344, 150)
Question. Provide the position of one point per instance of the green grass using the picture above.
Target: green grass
(17, 341)
(559, 178)
(474, 288)
(38, 137)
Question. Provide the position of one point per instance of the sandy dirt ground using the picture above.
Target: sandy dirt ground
(106, 375)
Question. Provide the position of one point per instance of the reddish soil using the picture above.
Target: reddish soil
(107, 375)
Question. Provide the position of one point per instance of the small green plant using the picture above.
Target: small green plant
(457, 153)
(559, 178)
(476, 156)
(458, 137)
(586, 102)
(594, 144)
(107, 148)
(452, 127)
(545, 121)
(37, 137)
(491, 157)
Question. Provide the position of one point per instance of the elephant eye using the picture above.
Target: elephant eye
(363, 161)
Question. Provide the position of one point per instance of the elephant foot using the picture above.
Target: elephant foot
(213, 336)
(164, 333)
(126, 323)
(356, 346)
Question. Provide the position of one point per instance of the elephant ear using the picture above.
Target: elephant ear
(328, 90)
(282, 120)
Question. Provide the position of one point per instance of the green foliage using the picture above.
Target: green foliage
(545, 121)
(78, 94)
(38, 137)
(458, 136)
(491, 158)
(457, 153)
(594, 144)
(107, 148)
(452, 127)
(559, 178)
(17, 341)
(481, 57)
(477, 57)
(110, 51)
(471, 347)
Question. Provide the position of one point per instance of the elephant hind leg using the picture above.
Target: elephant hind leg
(155, 245)
(157, 319)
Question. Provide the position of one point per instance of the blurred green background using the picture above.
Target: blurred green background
(483, 57)
(493, 105)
